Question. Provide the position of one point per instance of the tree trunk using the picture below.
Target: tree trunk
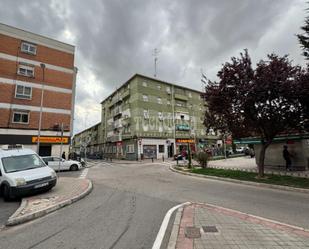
(262, 159)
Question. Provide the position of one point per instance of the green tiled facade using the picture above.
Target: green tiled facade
(147, 117)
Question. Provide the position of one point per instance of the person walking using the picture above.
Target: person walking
(287, 158)
(63, 155)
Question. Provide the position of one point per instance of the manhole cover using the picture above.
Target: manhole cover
(192, 232)
(210, 229)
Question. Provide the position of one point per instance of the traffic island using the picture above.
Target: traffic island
(290, 183)
(67, 191)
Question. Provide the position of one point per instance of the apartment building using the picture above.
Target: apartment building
(89, 140)
(150, 118)
(37, 90)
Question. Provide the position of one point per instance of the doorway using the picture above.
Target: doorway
(45, 150)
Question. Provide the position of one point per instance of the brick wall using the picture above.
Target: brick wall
(63, 100)
(48, 120)
(8, 69)
(11, 46)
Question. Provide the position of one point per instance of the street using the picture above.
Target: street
(8, 208)
(129, 202)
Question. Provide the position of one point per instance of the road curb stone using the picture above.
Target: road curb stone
(15, 220)
(271, 186)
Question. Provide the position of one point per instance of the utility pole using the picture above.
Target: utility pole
(155, 55)
(41, 109)
(61, 127)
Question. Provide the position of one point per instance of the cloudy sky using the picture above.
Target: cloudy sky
(115, 39)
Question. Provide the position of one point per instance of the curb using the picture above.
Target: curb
(271, 186)
(174, 233)
(13, 220)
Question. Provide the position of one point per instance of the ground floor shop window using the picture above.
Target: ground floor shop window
(161, 148)
(130, 148)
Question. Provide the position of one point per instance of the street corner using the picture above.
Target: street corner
(67, 191)
(201, 225)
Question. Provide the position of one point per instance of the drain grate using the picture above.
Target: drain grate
(192, 232)
(210, 229)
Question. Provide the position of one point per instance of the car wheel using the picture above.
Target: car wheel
(74, 167)
(6, 191)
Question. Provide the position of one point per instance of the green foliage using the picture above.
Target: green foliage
(202, 158)
(290, 181)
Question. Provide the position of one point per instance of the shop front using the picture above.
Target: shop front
(184, 143)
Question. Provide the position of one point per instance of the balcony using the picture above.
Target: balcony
(181, 97)
(125, 94)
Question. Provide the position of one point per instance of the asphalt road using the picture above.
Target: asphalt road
(128, 204)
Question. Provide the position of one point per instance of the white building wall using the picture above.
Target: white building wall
(157, 142)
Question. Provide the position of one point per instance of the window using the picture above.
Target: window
(21, 117)
(161, 148)
(168, 89)
(28, 48)
(160, 115)
(159, 87)
(190, 95)
(25, 70)
(159, 100)
(144, 83)
(130, 148)
(145, 98)
(23, 92)
(168, 102)
(182, 117)
(146, 114)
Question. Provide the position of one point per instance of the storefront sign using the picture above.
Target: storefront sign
(51, 140)
(191, 141)
(182, 127)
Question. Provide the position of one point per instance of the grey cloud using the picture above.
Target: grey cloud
(115, 39)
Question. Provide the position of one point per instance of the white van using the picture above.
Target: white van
(23, 172)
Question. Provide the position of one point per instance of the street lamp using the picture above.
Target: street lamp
(42, 65)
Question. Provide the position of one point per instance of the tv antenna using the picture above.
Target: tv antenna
(155, 55)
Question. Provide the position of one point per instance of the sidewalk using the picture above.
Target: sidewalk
(66, 191)
(248, 164)
(201, 226)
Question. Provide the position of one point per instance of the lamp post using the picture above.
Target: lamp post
(41, 107)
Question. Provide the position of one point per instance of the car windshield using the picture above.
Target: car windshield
(20, 163)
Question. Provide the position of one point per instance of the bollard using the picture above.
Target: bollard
(163, 158)
(177, 160)
(152, 159)
(111, 159)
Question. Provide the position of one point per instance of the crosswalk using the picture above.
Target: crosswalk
(84, 173)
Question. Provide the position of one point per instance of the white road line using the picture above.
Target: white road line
(83, 175)
(161, 233)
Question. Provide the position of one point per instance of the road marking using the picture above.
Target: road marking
(161, 233)
(83, 175)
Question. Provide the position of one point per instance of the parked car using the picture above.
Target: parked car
(240, 150)
(23, 172)
(53, 162)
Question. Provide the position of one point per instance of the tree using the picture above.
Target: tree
(261, 102)
(304, 38)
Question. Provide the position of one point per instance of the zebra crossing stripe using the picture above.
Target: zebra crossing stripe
(83, 175)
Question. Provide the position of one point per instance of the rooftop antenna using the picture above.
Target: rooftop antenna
(155, 55)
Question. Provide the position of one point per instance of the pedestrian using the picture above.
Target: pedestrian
(287, 158)
(184, 154)
(63, 155)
